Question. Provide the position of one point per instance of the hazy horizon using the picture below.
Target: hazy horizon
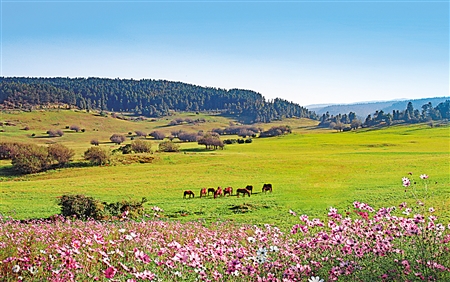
(320, 52)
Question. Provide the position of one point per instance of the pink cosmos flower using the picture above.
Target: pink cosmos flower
(423, 176)
(110, 272)
(406, 182)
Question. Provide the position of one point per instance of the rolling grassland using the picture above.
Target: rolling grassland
(310, 170)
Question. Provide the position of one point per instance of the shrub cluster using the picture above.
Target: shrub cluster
(168, 146)
(97, 156)
(239, 141)
(55, 133)
(242, 131)
(117, 138)
(31, 158)
(211, 141)
(83, 207)
(276, 131)
(158, 135)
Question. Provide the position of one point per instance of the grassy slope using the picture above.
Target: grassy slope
(310, 170)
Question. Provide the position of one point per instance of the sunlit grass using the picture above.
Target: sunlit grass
(310, 170)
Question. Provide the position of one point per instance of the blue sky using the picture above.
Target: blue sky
(308, 52)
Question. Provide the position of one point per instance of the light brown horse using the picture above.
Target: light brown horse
(267, 187)
(188, 193)
(212, 190)
(228, 190)
(202, 192)
(218, 192)
(249, 188)
(242, 191)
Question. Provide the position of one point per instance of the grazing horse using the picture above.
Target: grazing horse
(218, 192)
(188, 193)
(212, 190)
(267, 187)
(249, 188)
(242, 191)
(203, 192)
(228, 190)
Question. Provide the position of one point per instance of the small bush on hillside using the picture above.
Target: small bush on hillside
(141, 146)
(158, 135)
(60, 153)
(31, 158)
(83, 207)
(168, 146)
(126, 149)
(140, 133)
(80, 206)
(97, 156)
(55, 133)
(75, 128)
(130, 209)
(95, 142)
(117, 138)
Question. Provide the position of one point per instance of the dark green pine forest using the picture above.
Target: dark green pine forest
(147, 97)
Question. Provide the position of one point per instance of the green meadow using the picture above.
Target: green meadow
(311, 169)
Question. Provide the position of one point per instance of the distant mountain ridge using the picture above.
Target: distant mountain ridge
(362, 110)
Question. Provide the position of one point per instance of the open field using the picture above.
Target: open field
(311, 170)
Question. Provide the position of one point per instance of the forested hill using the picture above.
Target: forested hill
(146, 97)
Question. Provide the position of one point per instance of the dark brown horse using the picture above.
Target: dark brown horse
(228, 190)
(242, 191)
(218, 192)
(188, 193)
(267, 187)
(212, 190)
(249, 188)
(202, 192)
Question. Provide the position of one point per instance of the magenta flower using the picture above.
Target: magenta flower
(110, 272)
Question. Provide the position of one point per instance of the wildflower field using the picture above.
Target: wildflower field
(390, 244)
(366, 205)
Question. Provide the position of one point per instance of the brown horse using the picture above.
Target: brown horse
(242, 191)
(267, 187)
(212, 190)
(218, 192)
(228, 190)
(249, 188)
(188, 193)
(202, 192)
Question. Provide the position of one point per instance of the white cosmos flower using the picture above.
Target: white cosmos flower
(274, 249)
(16, 268)
(315, 279)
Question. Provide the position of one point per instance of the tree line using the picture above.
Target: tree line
(427, 113)
(147, 97)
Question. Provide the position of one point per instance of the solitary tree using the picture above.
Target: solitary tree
(141, 146)
(158, 135)
(75, 128)
(60, 153)
(97, 155)
(168, 146)
(31, 158)
(117, 138)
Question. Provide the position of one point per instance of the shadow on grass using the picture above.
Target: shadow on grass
(196, 150)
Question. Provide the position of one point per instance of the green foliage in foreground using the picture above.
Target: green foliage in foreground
(310, 170)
